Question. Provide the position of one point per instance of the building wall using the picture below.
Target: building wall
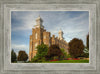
(46, 38)
(62, 43)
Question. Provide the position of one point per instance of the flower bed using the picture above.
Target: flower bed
(73, 59)
(54, 60)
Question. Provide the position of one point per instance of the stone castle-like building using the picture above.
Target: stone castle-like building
(40, 35)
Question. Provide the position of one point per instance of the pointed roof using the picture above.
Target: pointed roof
(39, 18)
(60, 31)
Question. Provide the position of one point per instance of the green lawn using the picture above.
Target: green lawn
(68, 61)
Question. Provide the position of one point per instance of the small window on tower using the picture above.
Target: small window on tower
(36, 36)
(36, 44)
(44, 37)
(44, 42)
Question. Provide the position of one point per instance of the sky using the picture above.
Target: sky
(74, 24)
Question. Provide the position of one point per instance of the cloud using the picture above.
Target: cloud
(27, 20)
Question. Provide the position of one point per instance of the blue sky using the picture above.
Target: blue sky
(74, 24)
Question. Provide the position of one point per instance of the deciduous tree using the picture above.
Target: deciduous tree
(22, 56)
(76, 47)
(54, 50)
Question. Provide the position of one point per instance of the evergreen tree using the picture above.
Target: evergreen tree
(87, 41)
(42, 50)
(13, 56)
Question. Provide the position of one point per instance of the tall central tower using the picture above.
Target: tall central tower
(36, 38)
(39, 23)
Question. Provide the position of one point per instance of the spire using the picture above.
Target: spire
(60, 34)
(39, 18)
(39, 22)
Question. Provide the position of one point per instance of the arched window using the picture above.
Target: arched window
(44, 42)
(35, 35)
(36, 44)
(44, 37)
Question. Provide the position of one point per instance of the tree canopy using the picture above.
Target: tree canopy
(22, 56)
(54, 50)
(42, 50)
(76, 47)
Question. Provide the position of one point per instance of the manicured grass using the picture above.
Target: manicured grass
(68, 61)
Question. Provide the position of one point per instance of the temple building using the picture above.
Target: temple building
(40, 35)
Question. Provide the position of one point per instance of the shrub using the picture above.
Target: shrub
(64, 53)
(34, 59)
(69, 56)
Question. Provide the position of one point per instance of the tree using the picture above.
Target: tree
(64, 52)
(86, 52)
(41, 53)
(87, 41)
(76, 47)
(53, 51)
(22, 56)
(42, 50)
(13, 56)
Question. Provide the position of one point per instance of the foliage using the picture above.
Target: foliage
(87, 42)
(69, 56)
(13, 56)
(68, 61)
(36, 59)
(86, 53)
(41, 53)
(64, 53)
(54, 50)
(86, 50)
(22, 56)
(76, 47)
(55, 57)
(42, 50)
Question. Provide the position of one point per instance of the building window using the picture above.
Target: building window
(35, 35)
(44, 37)
(44, 42)
(36, 46)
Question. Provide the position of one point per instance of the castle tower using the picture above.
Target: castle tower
(36, 38)
(39, 22)
(60, 34)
